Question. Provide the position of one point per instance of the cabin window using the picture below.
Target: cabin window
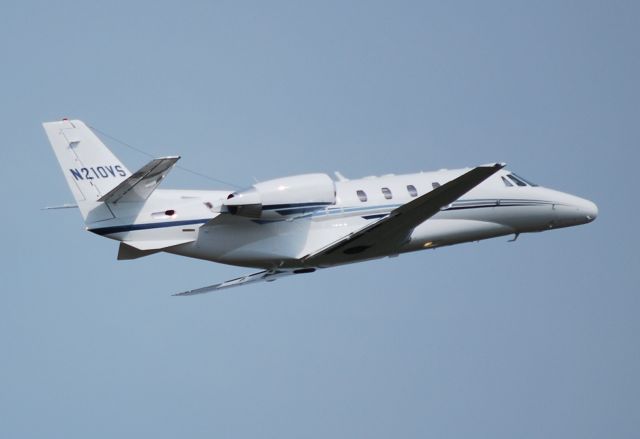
(435, 184)
(387, 193)
(412, 190)
(506, 182)
(362, 196)
(516, 180)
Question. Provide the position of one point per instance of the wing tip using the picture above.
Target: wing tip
(496, 165)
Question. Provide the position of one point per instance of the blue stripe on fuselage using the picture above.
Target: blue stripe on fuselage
(132, 227)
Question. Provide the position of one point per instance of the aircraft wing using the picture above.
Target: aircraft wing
(140, 184)
(390, 232)
(262, 276)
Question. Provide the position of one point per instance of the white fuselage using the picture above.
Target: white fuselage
(496, 207)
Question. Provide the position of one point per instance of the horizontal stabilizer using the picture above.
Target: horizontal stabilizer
(127, 252)
(138, 249)
(142, 183)
(62, 206)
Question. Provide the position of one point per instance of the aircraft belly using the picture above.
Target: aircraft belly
(457, 226)
(438, 232)
(250, 243)
(529, 216)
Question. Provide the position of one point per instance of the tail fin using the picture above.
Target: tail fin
(90, 168)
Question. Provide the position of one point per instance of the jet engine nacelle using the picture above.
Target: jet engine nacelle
(274, 199)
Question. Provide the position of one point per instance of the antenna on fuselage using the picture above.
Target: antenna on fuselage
(339, 176)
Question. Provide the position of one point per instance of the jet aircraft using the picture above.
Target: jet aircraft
(301, 223)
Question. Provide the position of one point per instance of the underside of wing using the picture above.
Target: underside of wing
(142, 183)
(389, 233)
(262, 276)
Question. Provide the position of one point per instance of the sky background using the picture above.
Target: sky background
(533, 339)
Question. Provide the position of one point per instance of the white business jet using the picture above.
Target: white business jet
(298, 224)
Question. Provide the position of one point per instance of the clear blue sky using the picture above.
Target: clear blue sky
(535, 339)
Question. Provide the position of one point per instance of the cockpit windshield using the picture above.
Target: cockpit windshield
(526, 181)
(516, 179)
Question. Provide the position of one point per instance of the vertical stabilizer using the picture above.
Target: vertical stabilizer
(90, 168)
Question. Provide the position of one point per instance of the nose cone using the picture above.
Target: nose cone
(589, 209)
(573, 211)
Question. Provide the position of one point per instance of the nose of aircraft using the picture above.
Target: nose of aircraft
(572, 210)
(588, 208)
